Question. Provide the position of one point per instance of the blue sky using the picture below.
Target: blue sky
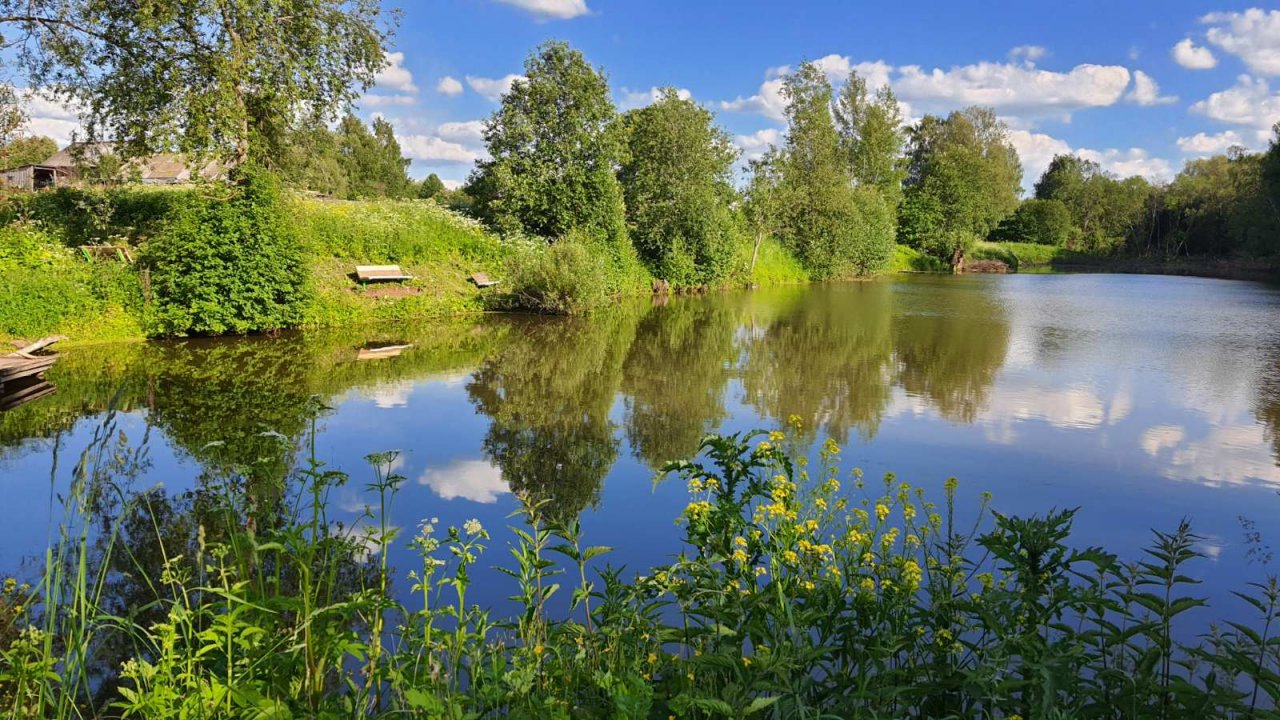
(1139, 85)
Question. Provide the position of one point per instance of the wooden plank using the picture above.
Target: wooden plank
(24, 395)
(482, 280)
(379, 353)
(38, 345)
(380, 273)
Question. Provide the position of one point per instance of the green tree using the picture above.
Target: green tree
(871, 136)
(676, 184)
(311, 160)
(1047, 222)
(1105, 211)
(963, 178)
(372, 161)
(431, 187)
(208, 78)
(762, 198)
(27, 151)
(554, 150)
(831, 226)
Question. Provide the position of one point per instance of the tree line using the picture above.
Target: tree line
(657, 185)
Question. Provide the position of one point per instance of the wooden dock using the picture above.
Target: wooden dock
(22, 373)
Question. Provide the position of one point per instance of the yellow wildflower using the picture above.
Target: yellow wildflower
(777, 436)
(790, 557)
(740, 541)
(868, 584)
(882, 511)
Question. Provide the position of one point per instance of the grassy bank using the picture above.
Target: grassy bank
(47, 286)
(800, 592)
(1022, 257)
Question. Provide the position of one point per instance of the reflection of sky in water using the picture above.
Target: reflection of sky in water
(1135, 398)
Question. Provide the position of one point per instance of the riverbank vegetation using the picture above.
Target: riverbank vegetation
(801, 590)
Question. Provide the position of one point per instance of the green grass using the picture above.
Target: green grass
(1023, 256)
(909, 259)
(775, 265)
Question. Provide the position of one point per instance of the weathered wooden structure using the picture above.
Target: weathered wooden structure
(381, 273)
(19, 369)
(482, 280)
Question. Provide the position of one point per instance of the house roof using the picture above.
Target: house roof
(161, 166)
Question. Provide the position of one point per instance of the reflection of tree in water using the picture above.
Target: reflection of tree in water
(138, 535)
(824, 357)
(951, 358)
(674, 378)
(1268, 404)
(548, 392)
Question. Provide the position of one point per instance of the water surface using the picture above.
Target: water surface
(1140, 399)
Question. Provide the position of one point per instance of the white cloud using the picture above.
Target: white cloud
(1252, 35)
(1250, 103)
(768, 100)
(493, 88)
(430, 148)
(449, 85)
(1027, 54)
(633, 99)
(395, 75)
(1013, 88)
(470, 132)
(1193, 57)
(1125, 163)
(1146, 92)
(53, 119)
(474, 480)
(552, 9)
(1203, 144)
(755, 144)
(1036, 150)
(376, 101)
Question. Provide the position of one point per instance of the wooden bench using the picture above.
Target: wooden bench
(482, 280)
(381, 273)
(106, 252)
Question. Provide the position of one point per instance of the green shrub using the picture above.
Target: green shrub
(565, 278)
(45, 289)
(226, 264)
(909, 259)
(1045, 222)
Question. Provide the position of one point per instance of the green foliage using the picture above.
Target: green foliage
(909, 259)
(227, 264)
(431, 187)
(1224, 206)
(801, 592)
(871, 136)
(564, 278)
(963, 178)
(31, 150)
(1105, 212)
(676, 184)
(832, 227)
(45, 288)
(204, 78)
(1047, 222)
(554, 146)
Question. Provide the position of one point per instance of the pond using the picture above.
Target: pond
(1140, 399)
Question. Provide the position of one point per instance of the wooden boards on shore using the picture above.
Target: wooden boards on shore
(22, 373)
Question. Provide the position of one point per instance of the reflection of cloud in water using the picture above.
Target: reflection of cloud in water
(1161, 437)
(1073, 408)
(391, 395)
(474, 480)
(1234, 454)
